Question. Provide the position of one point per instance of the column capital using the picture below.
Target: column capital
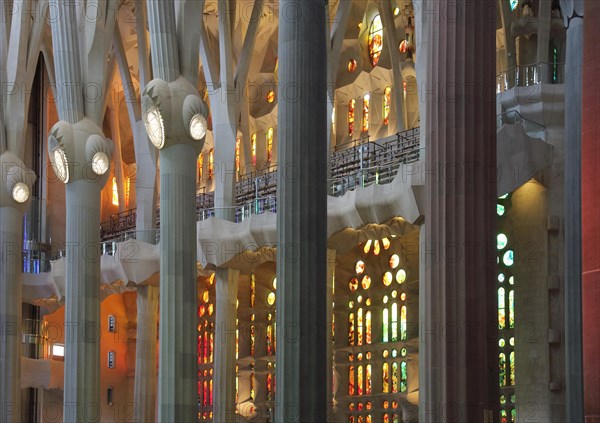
(80, 151)
(571, 9)
(15, 182)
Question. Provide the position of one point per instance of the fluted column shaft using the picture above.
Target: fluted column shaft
(82, 303)
(225, 327)
(65, 44)
(573, 320)
(145, 383)
(163, 39)
(458, 347)
(145, 185)
(177, 391)
(590, 145)
(11, 234)
(301, 394)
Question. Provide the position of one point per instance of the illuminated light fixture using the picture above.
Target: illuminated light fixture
(20, 192)
(61, 166)
(155, 127)
(396, 11)
(100, 163)
(198, 126)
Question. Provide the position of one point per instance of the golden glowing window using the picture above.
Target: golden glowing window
(367, 246)
(115, 192)
(365, 116)
(387, 278)
(271, 96)
(387, 103)
(127, 190)
(375, 40)
(200, 165)
(253, 147)
(211, 162)
(352, 65)
(269, 144)
(401, 276)
(394, 261)
(360, 267)
(353, 284)
(351, 106)
(366, 282)
(271, 298)
(238, 143)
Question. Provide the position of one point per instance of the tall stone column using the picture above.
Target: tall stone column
(145, 383)
(175, 119)
(15, 185)
(301, 393)
(225, 328)
(572, 11)
(458, 346)
(590, 140)
(80, 156)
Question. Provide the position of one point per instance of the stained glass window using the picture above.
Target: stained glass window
(394, 377)
(368, 388)
(200, 165)
(502, 368)
(368, 327)
(359, 380)
(115, 192)
(387, 103)
(352, 65)
(127, 190)
(394, 322)
(375, 40)
(238, 143)
(351, 106)
(385, 325)
(403, 376)
(501, 309)
(351, 329)
(365, 116)
(253, 148)
(269, 144)
(359, 326)
(385, 370)
(403, 323)
(211, 163)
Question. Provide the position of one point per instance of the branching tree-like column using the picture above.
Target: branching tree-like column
(15, 186)
(80, 156)
(572, 11)
(175, 119)
(301, 394)
(458, 347)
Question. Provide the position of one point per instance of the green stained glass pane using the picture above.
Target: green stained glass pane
(502, 399)
(501, 343)
(513, 415)
(502, 368)
(500, 209)
(403, 377)
(508, 258)
(501, 277)
(501, 241)
(394, 322)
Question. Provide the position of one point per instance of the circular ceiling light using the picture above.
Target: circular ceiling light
(155, 127)
(61, 166)
(20, 192)
(100, 163)
(198, 127)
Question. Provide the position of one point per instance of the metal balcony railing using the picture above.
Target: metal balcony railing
(525, 76)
